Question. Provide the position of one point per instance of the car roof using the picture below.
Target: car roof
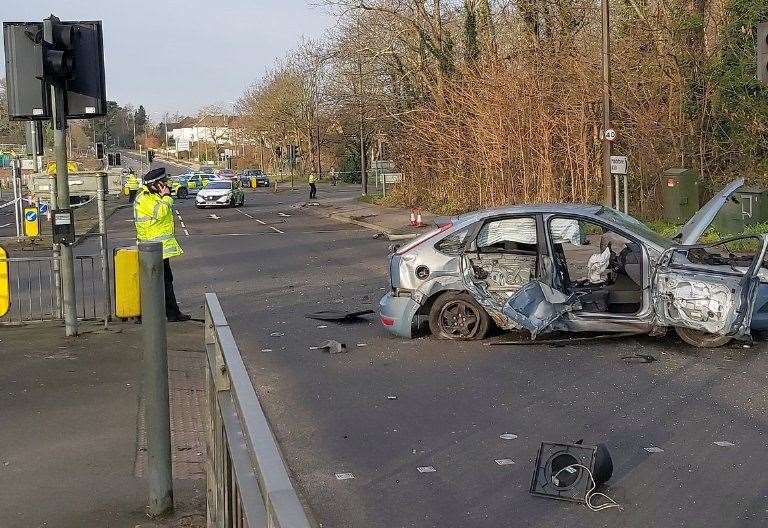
(562, 208)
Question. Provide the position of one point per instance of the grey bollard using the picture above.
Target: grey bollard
(155, 363)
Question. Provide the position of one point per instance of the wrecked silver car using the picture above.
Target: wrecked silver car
(570, 267)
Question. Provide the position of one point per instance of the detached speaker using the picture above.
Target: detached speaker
(556, 477)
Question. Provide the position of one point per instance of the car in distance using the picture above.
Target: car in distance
(196, 181)
(179, 188)
(577, 268)
(220, 193)
(249, 176)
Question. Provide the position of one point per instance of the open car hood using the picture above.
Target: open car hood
(699, 222)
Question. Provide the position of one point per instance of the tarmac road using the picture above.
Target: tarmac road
(390, 406)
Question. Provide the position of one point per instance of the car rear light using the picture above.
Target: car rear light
(387, 321)
(423, 238)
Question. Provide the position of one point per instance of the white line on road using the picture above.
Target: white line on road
(182, 225)
(186, 232)
(5, 225)
(276, 230)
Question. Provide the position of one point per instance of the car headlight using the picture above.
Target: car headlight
(199, 198)
(224, 198)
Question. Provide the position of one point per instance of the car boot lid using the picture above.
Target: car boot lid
(700, 221)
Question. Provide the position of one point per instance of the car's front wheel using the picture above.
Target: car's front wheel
(458, 316)
(701, 339)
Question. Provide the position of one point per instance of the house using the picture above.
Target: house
(213, 129)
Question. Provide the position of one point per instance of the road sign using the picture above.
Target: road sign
(44, 207)
(31, 222)
(619, 164)
(610, 134)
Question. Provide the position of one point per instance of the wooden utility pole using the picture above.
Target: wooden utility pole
(608, 197)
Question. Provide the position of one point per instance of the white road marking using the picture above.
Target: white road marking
(508, 436)
(182, 224)
(186, 232)
(426, 469)
(654, 449)
(283, 214)
(504, 461)
(344, 476)
(273, 228)
(6, 225)
(723, 443)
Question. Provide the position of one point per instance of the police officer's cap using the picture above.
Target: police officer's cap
(155, 175)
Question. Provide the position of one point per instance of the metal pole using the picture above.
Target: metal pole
(156, 406)
(67, 270)
(54, 204)
(363, 176)
(16, 195)
(626, 195)
(616, 194)
(104, 247)
(608, 199)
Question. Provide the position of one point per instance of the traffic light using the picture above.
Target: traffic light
(762, 52)
(58, 50)
(118, 161)
(67, 54)
(150, 155)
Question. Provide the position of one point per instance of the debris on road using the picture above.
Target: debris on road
(344, 476)
(332, 347)
(360, 345)
(338, 316)
(567, 340)
(277, 334)
(723, 443)
(391, 396)
(426, 469)
(639, 359)
(322, 326)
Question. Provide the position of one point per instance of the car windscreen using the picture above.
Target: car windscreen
(633, 225)
(219, 185)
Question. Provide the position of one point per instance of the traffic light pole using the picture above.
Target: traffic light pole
(66, 259)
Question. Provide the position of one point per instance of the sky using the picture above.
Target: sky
(177, 56)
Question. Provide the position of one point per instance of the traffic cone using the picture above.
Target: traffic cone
(413, 218)
(418, 218)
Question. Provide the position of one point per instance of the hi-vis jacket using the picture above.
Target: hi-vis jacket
(153, 216)
(132, 183)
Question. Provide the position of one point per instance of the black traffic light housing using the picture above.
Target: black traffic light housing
(99, 150)
(150, 155)
(762, 52)
(58, 50)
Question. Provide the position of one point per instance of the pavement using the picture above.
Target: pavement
(441, 433)
(72, 451)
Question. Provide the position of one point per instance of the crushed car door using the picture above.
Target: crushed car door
(702, 287)
(502, 270)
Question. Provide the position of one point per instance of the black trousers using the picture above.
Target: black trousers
(312, 191)
(171, 307)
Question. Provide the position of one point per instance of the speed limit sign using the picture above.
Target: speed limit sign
(610, 134)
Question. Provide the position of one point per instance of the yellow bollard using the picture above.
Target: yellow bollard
(127, 291)
(5, 283)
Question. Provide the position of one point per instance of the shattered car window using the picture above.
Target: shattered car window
(515, 230)
(453, 244)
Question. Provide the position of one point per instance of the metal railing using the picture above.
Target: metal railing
(248, 483)
(34, 294)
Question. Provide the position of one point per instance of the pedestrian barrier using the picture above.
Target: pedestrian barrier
(31, 292)
(248, 483)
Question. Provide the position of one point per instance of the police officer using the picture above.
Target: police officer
(133, 185)
(312, 186)
(153, 216)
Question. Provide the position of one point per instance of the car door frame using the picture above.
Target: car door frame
(579, 321)
(470, 248)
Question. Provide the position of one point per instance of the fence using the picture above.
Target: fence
(35, 296)
(248, 483)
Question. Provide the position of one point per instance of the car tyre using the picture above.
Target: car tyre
(701, 339)
(458, 316)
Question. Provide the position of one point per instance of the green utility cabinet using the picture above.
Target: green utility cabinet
(680, 195)
(748, 206)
